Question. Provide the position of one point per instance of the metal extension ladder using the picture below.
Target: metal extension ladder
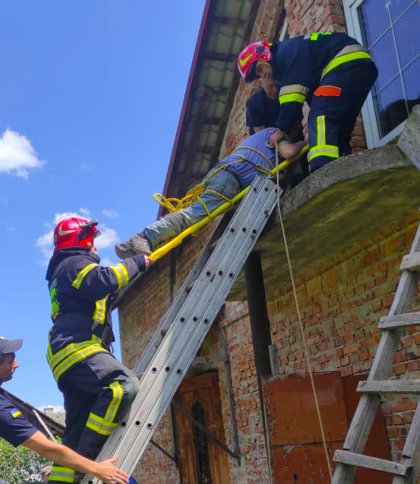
(378, 382)
(180, 333)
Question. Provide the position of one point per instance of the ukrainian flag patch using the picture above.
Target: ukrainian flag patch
(15, 413)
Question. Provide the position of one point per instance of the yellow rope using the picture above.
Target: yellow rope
(306, 350)
(174, 204)
(224, 207)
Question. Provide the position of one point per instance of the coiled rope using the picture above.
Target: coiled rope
(173, 204)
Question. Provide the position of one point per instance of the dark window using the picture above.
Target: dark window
(391, 32)
(201, 445)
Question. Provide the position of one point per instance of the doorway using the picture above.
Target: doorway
(201, 460)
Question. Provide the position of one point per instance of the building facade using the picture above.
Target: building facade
(245, 411)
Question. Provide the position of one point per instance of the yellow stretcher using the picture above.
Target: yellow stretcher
(224, 207)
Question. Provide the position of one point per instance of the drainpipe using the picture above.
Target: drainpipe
(261, 335)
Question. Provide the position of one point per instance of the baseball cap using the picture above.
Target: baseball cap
(9, 345)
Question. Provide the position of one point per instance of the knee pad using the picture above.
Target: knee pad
(131, 388)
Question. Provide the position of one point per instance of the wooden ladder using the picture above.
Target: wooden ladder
(407, 470)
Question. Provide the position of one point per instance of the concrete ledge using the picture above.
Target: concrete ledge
(409, 142)
(337, 206)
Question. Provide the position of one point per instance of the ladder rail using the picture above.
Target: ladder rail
(182, 294)
(411, 451)
(362, 421)
(179, 345)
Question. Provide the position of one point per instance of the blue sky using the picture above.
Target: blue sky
(90, 96)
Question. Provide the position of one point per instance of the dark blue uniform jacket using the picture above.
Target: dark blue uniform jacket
(81, 294)
(13, 425)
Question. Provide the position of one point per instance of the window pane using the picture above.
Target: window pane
(411, 82)
(391, 31)
(374, 18)
(202, 455)
(407, 34)
(397, 7)
(384, 55)
(391, 106)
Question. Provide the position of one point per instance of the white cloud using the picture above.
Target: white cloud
(83, 213)
(110, 213)
(107, 238)
(45, 243)
(17, 156)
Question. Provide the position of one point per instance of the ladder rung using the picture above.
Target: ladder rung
(359, 460)
(411, 262)
(399, 321)
(389, 386)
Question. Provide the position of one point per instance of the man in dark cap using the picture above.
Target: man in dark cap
(18, 431)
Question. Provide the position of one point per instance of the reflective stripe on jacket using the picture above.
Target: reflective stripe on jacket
(81, 293)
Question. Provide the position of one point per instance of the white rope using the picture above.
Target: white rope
(306, 351)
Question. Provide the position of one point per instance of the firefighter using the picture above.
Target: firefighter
(97, 388)
(332, 72)
(18, 431)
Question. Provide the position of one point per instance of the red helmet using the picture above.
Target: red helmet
(247, 59)
(75, 232)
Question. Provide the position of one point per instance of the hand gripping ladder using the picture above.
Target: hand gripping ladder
(178, 338)
(378, 382)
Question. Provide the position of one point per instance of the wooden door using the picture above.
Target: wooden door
(201, 460)
(297, 454)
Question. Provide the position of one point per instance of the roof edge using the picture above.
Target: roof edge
(187, 93)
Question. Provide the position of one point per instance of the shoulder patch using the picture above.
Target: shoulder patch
(15, 413)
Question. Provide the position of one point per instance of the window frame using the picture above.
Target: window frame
(370, 121)
(283, 33)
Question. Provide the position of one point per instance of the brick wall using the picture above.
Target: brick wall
(340, 303)
(305, 16)
(249, 423)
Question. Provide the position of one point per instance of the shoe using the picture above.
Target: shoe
(134, 246)
(123, 251)
(139, 244)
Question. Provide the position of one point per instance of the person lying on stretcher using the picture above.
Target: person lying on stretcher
(252, 157)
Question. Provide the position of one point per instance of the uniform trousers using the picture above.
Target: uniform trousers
(169, 226)
(97, 394)
(335, 106)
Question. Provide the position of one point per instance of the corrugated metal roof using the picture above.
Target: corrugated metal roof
(30, 412)
(210, 91)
